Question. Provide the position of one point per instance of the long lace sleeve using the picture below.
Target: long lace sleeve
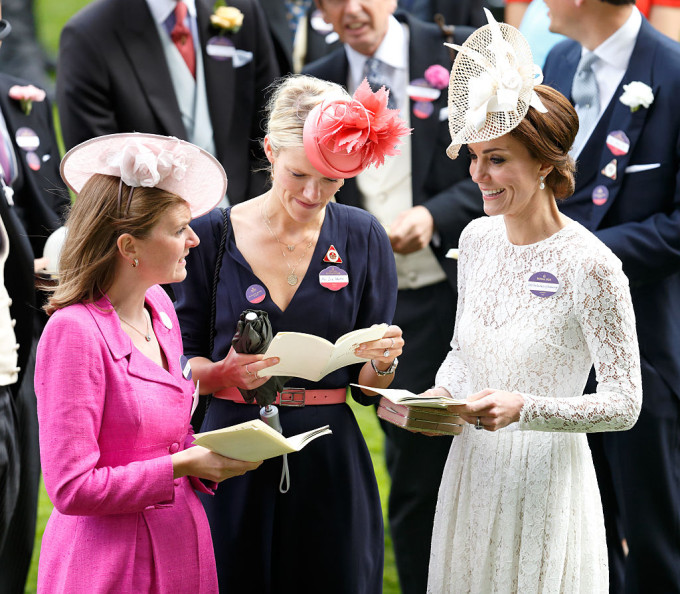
(453, 374)
(603, 308)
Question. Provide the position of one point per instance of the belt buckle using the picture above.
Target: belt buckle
(292, 397)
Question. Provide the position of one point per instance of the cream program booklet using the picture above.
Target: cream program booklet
(411, 399)
(312, 357)
(255, 440)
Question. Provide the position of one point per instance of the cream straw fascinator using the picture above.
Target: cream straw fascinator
(492, 85)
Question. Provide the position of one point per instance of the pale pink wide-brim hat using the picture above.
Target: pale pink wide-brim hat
(149, 160)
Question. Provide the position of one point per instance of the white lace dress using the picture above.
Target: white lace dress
(519, 509)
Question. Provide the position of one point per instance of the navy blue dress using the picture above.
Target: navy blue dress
(326, 533)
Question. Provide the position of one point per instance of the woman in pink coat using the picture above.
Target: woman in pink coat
(114, 389)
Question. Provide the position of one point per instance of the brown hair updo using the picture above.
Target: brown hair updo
(549, 137)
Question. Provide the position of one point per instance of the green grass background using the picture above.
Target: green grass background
(51, 16)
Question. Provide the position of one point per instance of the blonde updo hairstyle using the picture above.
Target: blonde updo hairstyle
(88, 258)
(288, 107)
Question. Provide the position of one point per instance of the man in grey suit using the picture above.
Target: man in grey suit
(425, 200)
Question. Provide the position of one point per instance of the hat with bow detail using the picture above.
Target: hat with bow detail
(492, 85)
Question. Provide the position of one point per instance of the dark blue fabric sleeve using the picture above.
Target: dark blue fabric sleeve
(379, 297)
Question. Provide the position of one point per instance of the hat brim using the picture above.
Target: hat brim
(203, 185)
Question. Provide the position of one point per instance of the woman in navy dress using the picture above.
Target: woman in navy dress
(316, 267)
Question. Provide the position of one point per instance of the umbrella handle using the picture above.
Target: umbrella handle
(270, 415)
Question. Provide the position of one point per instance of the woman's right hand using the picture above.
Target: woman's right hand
(240, 369)
(202, 463)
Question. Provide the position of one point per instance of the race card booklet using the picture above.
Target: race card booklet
(420, 418)
(312, 357)
(255, 440)
(410, 399)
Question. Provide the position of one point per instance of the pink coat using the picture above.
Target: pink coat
(109, 420)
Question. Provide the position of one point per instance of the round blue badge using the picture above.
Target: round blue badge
(543, 284)
(255, 293)
(220, 48)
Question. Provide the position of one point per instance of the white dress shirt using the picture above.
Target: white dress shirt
(614, 55)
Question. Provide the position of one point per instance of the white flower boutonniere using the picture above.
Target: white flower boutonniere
(26, 96)
(226, 18)
(637, 94)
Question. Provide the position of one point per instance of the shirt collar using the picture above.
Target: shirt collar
(162, 9)
(618, 48)
(393, 51)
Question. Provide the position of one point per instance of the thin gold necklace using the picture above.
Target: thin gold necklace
(147, 336)
(291, 278)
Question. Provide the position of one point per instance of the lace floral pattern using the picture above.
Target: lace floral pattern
(519, 509)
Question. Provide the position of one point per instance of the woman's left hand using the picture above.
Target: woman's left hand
(495, 409)
(385, 350)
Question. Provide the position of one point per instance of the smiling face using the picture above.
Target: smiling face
(162, 254)
(508, 177)
(300, 189)
(362, 24)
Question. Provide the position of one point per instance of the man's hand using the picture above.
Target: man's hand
(412, 230)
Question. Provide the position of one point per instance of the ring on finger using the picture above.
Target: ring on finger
(479, 423)
(386, 353)
(392, 345)
(248, 371)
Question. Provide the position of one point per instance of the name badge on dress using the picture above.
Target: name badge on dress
(543, 284)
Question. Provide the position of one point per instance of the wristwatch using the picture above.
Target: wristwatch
(388, 371)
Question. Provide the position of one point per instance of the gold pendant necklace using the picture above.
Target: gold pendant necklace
(291, 278)
(147, 336)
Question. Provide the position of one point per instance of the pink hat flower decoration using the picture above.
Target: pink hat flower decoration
(343, 137)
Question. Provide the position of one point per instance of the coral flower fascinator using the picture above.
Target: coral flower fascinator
(343, 137)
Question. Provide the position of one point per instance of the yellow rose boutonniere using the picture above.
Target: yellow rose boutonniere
(226, 18)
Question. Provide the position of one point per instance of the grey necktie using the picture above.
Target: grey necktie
(586, 97)
(376, 79)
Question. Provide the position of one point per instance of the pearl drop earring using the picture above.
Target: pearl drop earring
(542, 185)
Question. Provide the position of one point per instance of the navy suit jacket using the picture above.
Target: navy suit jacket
(112, 76)
(640, 219)
(40, 203)
(441, 185)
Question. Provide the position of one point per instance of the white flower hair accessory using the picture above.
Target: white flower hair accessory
(637, 94)
(142, 165)
(151, 161)
(492, 84)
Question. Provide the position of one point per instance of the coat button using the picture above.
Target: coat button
(174, 448)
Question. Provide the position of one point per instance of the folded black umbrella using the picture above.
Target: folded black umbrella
(253, 335)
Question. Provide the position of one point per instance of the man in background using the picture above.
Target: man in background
(299, 33)
(162, 67)
(624, 78)
(33, 200)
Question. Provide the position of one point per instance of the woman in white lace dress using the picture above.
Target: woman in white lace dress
(541, 300)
